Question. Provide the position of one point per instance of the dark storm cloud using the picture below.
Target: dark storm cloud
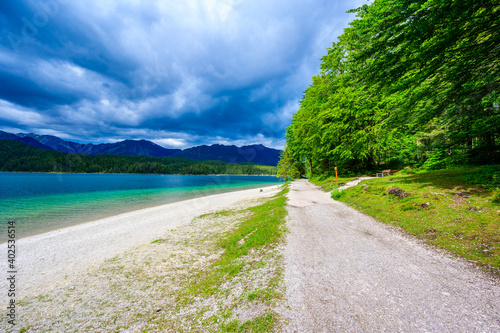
(177, 73)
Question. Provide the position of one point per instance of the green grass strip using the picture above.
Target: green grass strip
(264, 227)
(257, 232)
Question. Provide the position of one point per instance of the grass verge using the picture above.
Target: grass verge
(227, 294)
(455, 209)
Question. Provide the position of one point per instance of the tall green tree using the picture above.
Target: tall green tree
(289, 167)
(409, 81)
(445, 54)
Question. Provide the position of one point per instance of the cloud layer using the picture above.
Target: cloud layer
(179, 73)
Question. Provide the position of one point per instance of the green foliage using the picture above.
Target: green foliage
(336, 194)
(496, 196)
(408, 83)
(289, 167)
(16, 156)
(436, 160)
(407, 171)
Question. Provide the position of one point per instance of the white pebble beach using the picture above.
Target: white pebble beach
(47, 260)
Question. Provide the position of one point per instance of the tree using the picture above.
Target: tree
(407, 81)
(288, 166)
(446, 55)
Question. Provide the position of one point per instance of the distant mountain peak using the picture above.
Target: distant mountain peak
(257, 153)
(27, 140)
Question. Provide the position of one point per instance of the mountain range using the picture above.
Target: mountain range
(258, 154)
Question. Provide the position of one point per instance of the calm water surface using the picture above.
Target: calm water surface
(41, 202)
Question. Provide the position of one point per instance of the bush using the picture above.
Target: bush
(496, 196)
(336, 194)
(436, 160)
(407, 171)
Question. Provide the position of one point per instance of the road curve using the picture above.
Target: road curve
(346, 272)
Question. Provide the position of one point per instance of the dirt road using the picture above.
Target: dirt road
(346, 272)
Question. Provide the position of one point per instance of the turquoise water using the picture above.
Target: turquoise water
(41, 202)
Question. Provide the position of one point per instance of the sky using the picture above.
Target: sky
(178, 73)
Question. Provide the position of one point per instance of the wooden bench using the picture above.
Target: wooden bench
(384, 173)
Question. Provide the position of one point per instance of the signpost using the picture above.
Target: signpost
(336, 179)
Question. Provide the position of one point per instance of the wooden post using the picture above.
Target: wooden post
(336, 179)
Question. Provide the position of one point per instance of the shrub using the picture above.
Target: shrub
(336, 194)
(407, 171)
(496, 196)
(436, 160)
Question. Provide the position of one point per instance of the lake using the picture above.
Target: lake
(41, 202)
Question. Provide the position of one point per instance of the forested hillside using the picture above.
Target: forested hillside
(257, 154)
(407, 83)
(17, 156)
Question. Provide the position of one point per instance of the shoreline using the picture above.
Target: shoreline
(202, 193)
(48, 259)
(146, 174)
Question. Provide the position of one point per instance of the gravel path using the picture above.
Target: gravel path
(354, 182)
(346, 272)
